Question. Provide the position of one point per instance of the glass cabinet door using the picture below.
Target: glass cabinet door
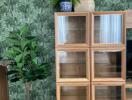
(72, 64)
(108, 93)
(73, 93)
(108, 29)
(71, 30)
(108, 64)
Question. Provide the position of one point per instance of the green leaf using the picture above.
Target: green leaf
(31, 37)
(13, 35)
(17, 49)
(34, 44)
(14, 77)
(19, 65)
(56, 3)
(18, 58)
(12, 72)
(35, 60)
(74, 2)
(9, 53)
(24, 43)
(24, 30)
(13, 41)
(26, 53)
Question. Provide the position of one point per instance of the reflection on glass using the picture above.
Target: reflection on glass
(71, 29)
(72, 64)
(108, 93)
(107, 64)
(73, 93)
(129, 93)
(108, 29)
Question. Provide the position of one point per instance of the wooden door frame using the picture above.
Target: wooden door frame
(123, 44)
(59, 85)
(122, 84)
(87, 79)
(87, 33)
(123, 64)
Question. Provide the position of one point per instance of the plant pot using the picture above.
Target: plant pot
(66, 6)
(85, 6)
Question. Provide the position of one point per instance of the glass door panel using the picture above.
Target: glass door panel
(73, 93)
(71, 29)
(107, 64)
(108, 29)
(72, 64)
(108, 93)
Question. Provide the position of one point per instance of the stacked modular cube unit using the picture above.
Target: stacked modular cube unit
(90, 55)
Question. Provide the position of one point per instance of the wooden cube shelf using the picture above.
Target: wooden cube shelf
(72, 65)
(73, 91)
(108, 91)
(90, 55)
(108, 29)
(72, 29)
(108, 64)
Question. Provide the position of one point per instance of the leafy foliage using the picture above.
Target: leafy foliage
(23, 50)
(38, 14)
(111, 5)
(129, 34)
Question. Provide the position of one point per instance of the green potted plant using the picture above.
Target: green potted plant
(66, 5)
(23, 52)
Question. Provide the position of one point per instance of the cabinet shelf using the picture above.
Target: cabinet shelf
(108, 91)
(70, 91)
(90, 55)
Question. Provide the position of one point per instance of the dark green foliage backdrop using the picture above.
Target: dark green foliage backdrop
(108, 5)
(39, 15)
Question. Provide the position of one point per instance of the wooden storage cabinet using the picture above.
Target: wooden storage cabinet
(72, 29)
(108, 91)
(72, 65)
(90, 55)
(108, 29)
(108, 64)
(73, 91)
